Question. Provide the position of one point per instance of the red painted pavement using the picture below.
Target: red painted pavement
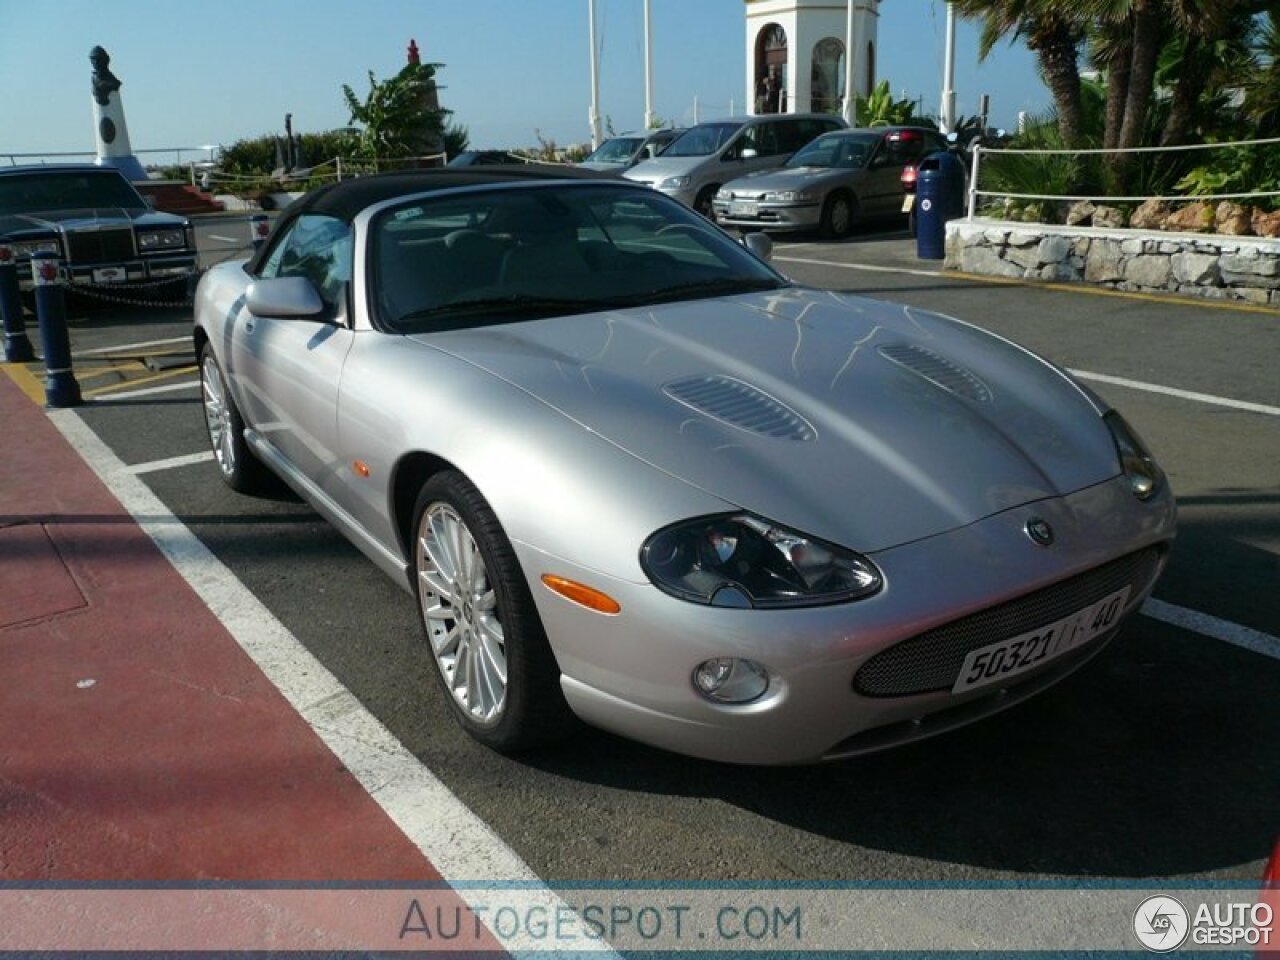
(180, 761)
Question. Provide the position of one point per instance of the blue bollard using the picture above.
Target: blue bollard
(60, 386)
(17, 347)
(259, 230)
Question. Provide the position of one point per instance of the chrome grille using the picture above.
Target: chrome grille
(937, 370)
(742, 405)
(99, 246)
(932, 661)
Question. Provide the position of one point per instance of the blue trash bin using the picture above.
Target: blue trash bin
(940, 187)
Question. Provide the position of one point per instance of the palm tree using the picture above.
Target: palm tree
(1054, 31)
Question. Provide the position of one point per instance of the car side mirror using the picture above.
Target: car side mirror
(283, 297)
(750, 153)
(760, 245)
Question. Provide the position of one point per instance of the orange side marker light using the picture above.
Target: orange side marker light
(582, 595)
(360, 467)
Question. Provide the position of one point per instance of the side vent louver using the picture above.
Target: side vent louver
(741, 405)
(937, 370)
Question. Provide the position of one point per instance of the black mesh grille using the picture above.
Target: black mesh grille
(742, 405)
(931, 661)
(100, 246)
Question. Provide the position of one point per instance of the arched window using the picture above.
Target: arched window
(771, 69)
(826, 78)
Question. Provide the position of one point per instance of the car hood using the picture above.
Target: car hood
(789, 178)
(84, 219)
(659, 168)
(867, 424)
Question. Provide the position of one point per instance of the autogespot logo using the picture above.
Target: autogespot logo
(1160, 923)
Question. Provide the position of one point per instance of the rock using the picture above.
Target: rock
(1251, 280)
(1233, 219)
(1252, 295)
(1200, 269)
(1266, 224)
(1110, 217)
(1026, 257)
(1059, 273)
(1023, 238)
(1054, 249)
(1196, 217)
(1103, 265)
(1148, 271)
(995, 237)
(1151, 215)
(1131, 247)
(1251, 264)
(986, 262)
(1082, 246)
(1080, 213)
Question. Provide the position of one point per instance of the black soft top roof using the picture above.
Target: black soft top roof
(346, 199)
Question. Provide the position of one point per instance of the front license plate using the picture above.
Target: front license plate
(109, 275)
(743, 209)
(996, 662)
(908, 202)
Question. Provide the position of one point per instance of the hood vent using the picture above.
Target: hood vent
(742, 406)
(937, 370)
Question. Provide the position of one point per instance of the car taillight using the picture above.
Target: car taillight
(908, 178)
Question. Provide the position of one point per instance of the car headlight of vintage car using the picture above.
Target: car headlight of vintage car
(170, 239)
(789, 196)
(743, 561)
(31, 247)
(1140, 468)
(675, 183)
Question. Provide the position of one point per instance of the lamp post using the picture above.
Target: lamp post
(648, 70)
(948, 118)
(593, 115)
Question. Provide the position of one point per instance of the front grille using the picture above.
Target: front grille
(931, 661)
(99, 246)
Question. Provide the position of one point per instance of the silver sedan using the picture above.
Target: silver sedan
(829, 184)
(631, 475)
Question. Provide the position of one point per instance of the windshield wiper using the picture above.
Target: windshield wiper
(518, 303)
(722, 287)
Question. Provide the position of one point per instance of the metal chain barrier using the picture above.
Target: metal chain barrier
(109, 292)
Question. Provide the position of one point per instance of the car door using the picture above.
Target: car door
(288, 369)
(883, 194)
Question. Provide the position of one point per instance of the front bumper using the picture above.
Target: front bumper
(123, 272)
(759, 215)
(631, 673)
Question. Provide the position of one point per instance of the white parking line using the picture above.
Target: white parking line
(1209, 626)
(148, 391)
(460, 845)
(169, 463)
(244, 240)
(131, 346)
(1175, 392)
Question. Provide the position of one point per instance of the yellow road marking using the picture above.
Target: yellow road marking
(130, 384)
(26, 381)
(1122, 294)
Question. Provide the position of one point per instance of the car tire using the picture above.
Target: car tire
(838, 212)
(239, 466)
(703, 203)
(486, 640)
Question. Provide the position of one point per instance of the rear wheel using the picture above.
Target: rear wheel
(491, 654)
(837, 216)
(240, 469)
(703, 205)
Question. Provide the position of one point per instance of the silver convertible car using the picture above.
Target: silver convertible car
(630, 474)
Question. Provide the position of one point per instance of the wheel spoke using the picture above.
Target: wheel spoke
(491, 645)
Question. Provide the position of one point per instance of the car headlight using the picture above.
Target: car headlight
(723, 194)
(30, 247)
(1140, 468)
(675, 183)
(161, 239)
(742, 561)
(788, 196)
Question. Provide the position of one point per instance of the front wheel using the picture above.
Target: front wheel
(240, 469)
(837, 216)
(703, 204)
(491, 654)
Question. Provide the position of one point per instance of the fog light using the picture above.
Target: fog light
(731, 680)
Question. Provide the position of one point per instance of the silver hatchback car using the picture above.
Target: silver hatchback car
(830, 184)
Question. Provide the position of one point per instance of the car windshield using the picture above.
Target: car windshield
(703, 140)
(617, 150)
(503, 255)
(847, 151)
(66, 190)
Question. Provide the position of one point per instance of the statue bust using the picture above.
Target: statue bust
(104, 81)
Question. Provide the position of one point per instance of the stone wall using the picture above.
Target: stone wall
(1216, 267)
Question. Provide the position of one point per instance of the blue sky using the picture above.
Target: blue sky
(219, 70)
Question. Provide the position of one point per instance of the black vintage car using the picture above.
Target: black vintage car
(97, 224)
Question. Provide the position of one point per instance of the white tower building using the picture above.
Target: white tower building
(796, 56)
